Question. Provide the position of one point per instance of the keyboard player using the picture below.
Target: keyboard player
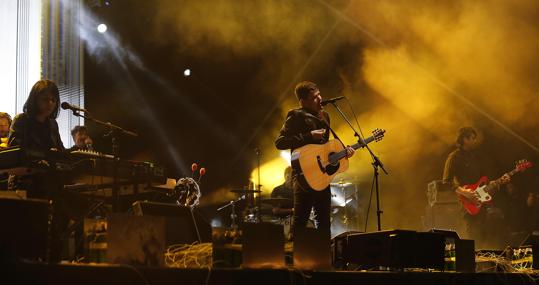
(36, 129)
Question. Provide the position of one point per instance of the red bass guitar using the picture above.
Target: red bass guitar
(484, 189)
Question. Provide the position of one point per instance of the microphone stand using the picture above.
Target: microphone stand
(259, 186)
(114, 133)
(376, 163)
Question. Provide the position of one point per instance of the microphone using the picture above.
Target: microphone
(67, 106)
(325, 102)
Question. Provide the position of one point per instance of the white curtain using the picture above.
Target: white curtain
(20, 51)
(8, 55)
(40, 39)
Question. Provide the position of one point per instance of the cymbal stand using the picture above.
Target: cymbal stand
(233, 215)
(259, 186)
(345, 208)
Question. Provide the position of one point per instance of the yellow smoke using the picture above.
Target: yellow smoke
(421, 70)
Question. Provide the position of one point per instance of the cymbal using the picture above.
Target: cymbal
(244, 191)
(341, 184)
(277, 201)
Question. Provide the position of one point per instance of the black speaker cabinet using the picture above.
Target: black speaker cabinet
(184, 224)
(393, 248)
(26, 228)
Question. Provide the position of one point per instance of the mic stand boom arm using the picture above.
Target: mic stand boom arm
(114, 132)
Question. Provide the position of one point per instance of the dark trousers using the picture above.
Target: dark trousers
(307, 199)
(487, 229)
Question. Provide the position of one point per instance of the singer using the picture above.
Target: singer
(308, 124)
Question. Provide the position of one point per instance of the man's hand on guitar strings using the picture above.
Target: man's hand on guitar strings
(318, 134)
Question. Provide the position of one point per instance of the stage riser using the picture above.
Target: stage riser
(116, 274)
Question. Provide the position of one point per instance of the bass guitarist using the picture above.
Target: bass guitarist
(308, 124)
(463, 167)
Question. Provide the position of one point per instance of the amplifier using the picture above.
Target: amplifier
(26, 228)
(184, 224)
(392, 248)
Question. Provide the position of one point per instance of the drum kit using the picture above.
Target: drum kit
(344, 208)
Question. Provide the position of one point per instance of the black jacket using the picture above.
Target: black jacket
(30, 134)
(296, 130)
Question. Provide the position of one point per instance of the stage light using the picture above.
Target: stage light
(187, 72)
(285, 154)
(102, 28)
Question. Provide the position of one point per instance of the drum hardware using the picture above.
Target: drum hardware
(341, 184)
(251, 213)
(275, 202)
(244, 191)
(343, 194)
(233, 215)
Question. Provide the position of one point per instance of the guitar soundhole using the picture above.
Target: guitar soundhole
(332, 168)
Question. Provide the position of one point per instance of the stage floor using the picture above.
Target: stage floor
(36, 273)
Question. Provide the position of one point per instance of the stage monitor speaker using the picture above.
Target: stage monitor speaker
(184, 224)
(465, 255)
(339, 244)
(263, 245)
(532, 238)
(464, 250)
(311, 249)
(26, 229)
(393, 248)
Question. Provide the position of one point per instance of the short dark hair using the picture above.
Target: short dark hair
(465, 132)
(42, 87)
(304, 88)
(78, 129)
(4, 115)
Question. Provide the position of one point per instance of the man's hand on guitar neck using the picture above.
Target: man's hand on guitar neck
(349, 151)
(506, 178)
(468, 194)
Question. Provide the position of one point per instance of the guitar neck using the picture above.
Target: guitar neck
(342, 154)
(498, 181)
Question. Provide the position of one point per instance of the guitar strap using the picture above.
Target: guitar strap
(333, 132)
